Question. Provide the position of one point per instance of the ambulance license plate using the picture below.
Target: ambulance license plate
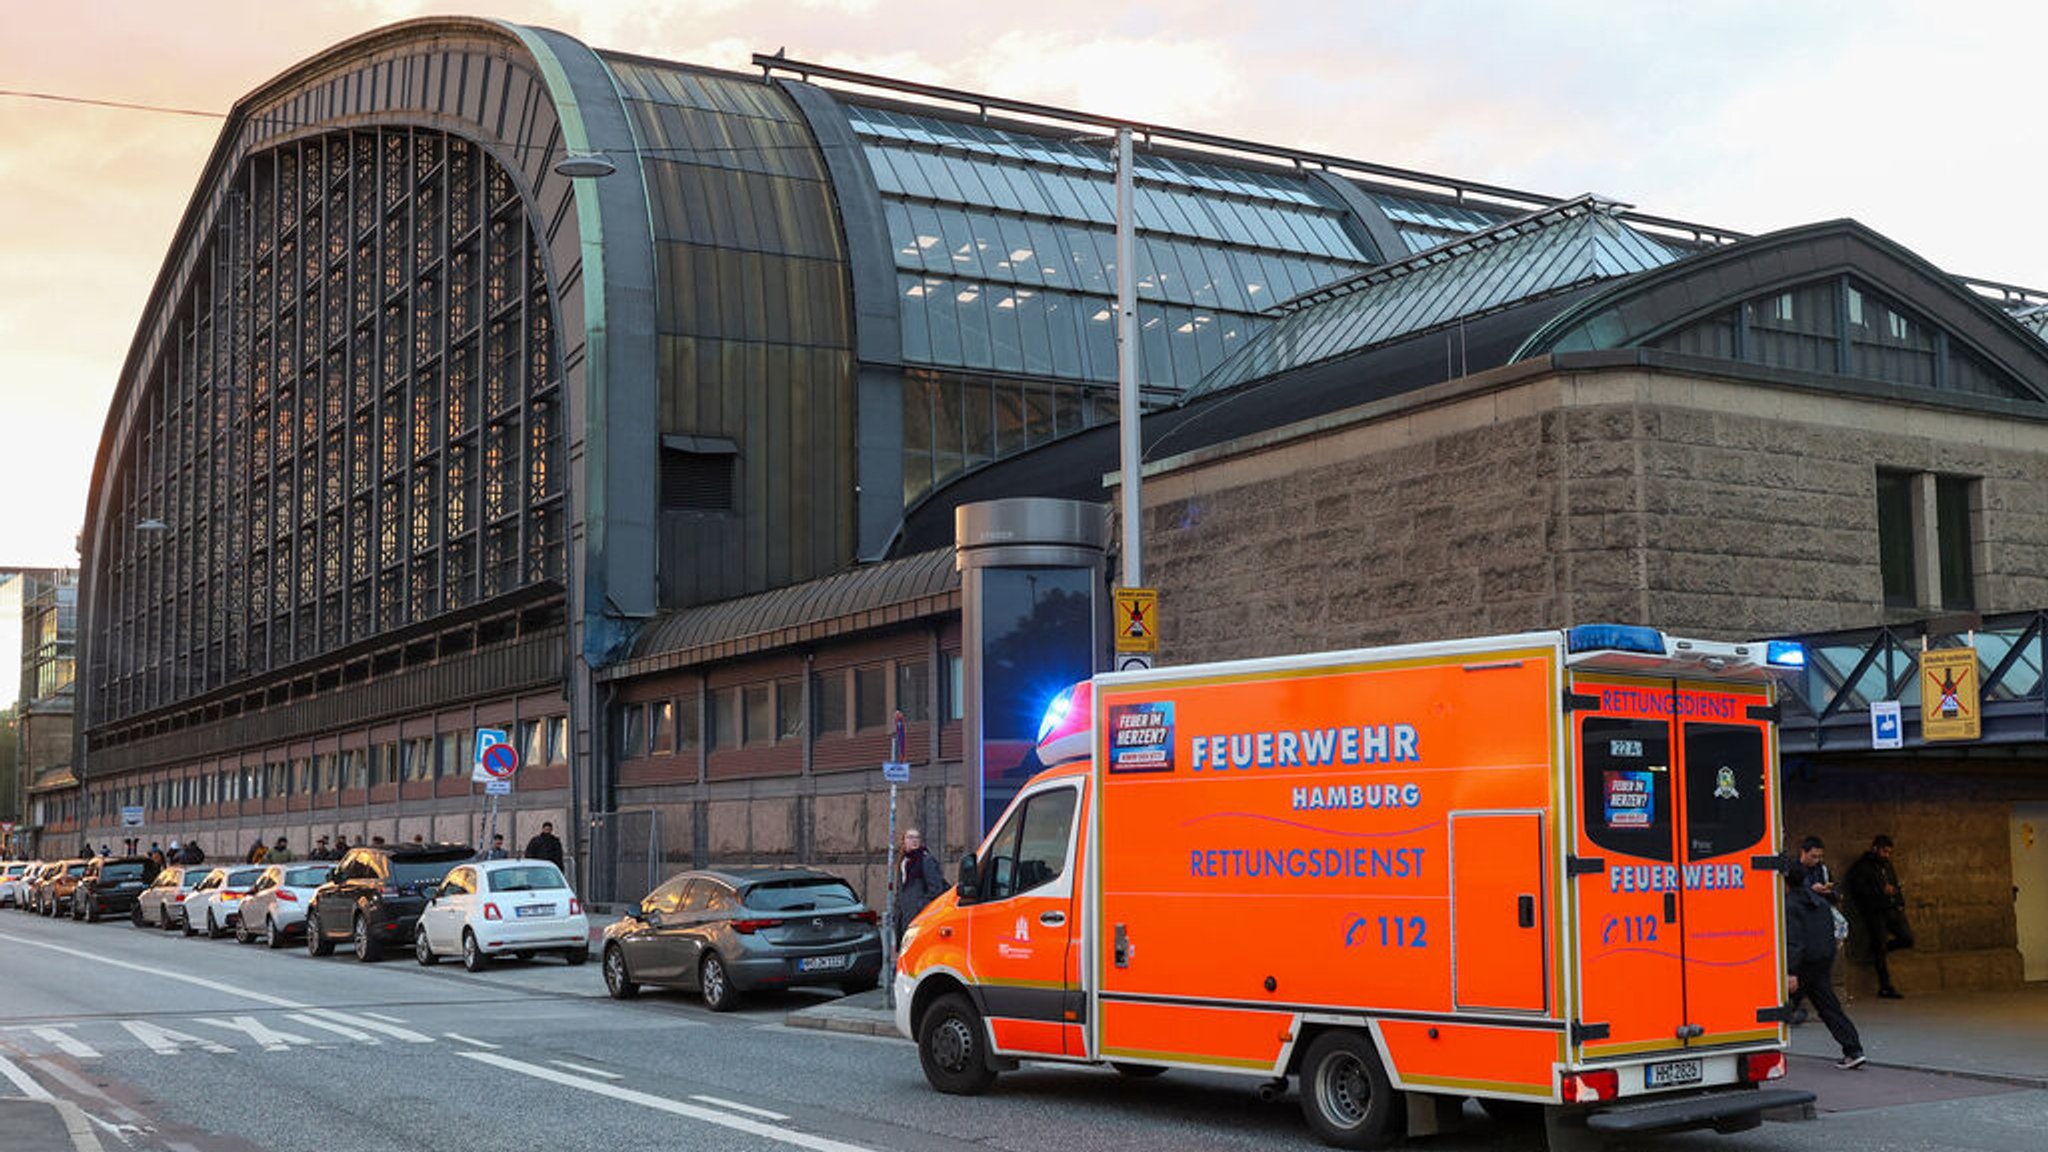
(1671, 1074)
(822, 963)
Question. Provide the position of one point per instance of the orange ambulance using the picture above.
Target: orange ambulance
(1535, 870)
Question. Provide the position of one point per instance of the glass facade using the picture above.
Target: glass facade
(1524, 259)
(1038, 639)
(354, 425)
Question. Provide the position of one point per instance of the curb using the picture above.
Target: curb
(2011, 1079)
(858, 1024)
(80, 1130)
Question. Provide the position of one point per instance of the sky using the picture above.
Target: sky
(1743, 115)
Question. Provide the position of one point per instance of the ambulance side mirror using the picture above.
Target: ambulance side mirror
(967, 879)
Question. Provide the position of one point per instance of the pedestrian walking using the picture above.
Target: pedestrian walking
(544, 845)
(320, 850)
(280, 852)
(1880, 910)
(918, 880)
(1810, 951)
(497, 851)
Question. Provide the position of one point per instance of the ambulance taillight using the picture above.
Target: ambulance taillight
(1758, 1067)
(1590, 1087)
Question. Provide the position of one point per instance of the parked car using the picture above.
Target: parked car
(275, 908)
(731, 931)
(374, 896)
(12, 881)
(215, 904)
(54, 890)
(492, 907)
(110, 884)
(163, 902)
(32, 884)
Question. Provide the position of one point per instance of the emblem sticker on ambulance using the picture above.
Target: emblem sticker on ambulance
(1724, 784)
(1141, 737)
(1630, 801)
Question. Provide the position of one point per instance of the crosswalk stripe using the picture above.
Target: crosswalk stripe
(271, 1039)
(23, 1080)
(393, 1030)
(64, 1041)
(169, 1041)
(342, 1030)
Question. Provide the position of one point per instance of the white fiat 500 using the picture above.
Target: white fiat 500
(215, 906)
(274, 911)
(492, 907)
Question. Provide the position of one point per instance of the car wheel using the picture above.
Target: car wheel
(317, 943)
(1345, 1095)
(474, 958)
(367, 950)
(272, 938)
(92, 912)
(423, 951)
(135, 914)
(186, 925)
(213, 929)
(949, 1046)
(577, 955)
(716, 984)
(163, 917)
(242, 933)
(616, 979)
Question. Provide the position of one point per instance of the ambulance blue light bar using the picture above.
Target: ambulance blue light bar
(1785, 654)
(1056, 712)
(1615, 638)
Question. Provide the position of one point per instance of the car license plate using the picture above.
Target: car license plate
(822, 963)
(536, 909)
(1671, 1074)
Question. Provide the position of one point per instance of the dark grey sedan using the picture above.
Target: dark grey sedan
(731, 931)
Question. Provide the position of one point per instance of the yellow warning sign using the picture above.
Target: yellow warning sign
(1948, 694)
(1137, 619)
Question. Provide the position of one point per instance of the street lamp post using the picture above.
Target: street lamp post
(1127, 412)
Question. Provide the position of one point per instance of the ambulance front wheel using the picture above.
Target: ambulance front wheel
(951, 1045)
(1345, 1095)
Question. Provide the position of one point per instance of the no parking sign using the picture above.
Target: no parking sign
(496, 757)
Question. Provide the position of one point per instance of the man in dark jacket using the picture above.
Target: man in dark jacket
(1810, 954)
(544, 845)
(1880, 909)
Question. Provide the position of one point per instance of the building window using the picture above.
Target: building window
(914, 690)
(755, 703)
(661, 727)
(687, 726)
(1925, 534)
(956, 687)
(448, 759)
(830, 695)
(870, 696)
(725, 719)
(789, 710)
(697, 474)
(558, 740)
(632, 732)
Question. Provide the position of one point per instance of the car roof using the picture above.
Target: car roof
(742, 877)
(122, 859)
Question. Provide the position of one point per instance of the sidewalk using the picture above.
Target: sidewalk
(44, 1126)
(1992, 1036)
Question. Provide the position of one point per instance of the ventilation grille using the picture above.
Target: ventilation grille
(696, 481)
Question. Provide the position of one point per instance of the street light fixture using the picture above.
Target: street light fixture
(585, 164)
(152, 525)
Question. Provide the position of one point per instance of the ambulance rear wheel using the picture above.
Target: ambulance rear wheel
(951, 1045)
(1345, 1095)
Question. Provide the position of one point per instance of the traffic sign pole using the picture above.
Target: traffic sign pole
(896, 770)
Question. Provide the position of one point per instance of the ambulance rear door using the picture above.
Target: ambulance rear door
(1675, 908)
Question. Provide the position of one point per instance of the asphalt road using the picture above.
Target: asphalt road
(208, 1046)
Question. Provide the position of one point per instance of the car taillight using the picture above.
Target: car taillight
(181, 897)
(491, 912)
(867, 916)
(575, 906)
(1590, 1087)
(228, 894)
(751, 926)
(285, 896)
(1760, 1066)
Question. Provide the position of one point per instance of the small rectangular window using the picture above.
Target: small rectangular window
(725, 719)
(1895, 548)
(914, 690)
(830, 690)
(1952, 541)
(661, 726)
(632, 732)
(870, 696)
(687, 735)
(789, 710)
(697, 481)
(956, 687)
(757, 718)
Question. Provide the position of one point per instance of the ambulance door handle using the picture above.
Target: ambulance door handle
(1671, 907)
(1052, 919)
(1123, 948)
(1525, 911)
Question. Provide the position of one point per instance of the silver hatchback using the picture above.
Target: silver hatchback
(725, 932)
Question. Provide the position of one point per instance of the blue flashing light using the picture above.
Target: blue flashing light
(1615, 638)
(1056, 712)
(1785, 654)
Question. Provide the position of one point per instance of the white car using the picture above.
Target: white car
(275, 908)
(491, 907)
(12, 890)
(217, 903)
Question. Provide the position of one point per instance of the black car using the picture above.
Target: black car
(375, 895)
(110, 884)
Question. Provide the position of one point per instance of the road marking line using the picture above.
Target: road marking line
(738, 1107)
(159, 973)
(460, 1039)
(664, 1104)
(405, 1034)
(586, 1070)
(386, 1019)
(62, 1041)
(81, 1088)
(271, 1039)
(343, 1030)
(166, 1041)
(24, 1081)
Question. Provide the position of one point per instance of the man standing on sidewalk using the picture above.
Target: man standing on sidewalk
(1880, 909)
(1810, 953)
